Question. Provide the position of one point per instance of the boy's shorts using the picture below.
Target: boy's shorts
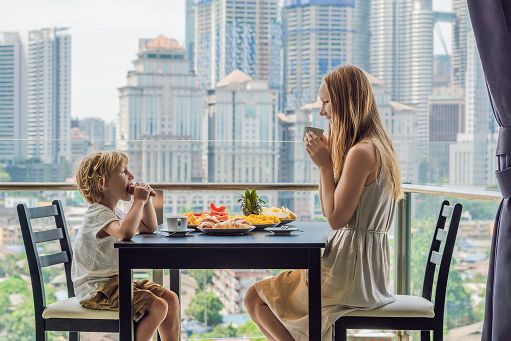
(107, 297)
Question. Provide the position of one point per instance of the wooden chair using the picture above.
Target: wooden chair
(66, 315)
(415, 312)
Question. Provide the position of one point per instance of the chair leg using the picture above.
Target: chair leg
(340, 332)
(74, 336)
(438, 335)
(40, 334)
(425, 335)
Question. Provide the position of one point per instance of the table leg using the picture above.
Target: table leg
(314, 294)
(125, 297)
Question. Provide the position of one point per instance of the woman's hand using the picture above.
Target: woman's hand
(317, 148)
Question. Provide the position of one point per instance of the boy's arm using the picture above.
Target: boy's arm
(149, 222)
(125, 229)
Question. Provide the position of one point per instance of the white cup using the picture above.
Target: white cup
(178, 223)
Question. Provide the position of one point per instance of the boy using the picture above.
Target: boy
(103, 180)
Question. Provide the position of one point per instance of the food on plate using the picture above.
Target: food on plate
(283, 213)
(262, 219)
(231, 223)
(219, 212)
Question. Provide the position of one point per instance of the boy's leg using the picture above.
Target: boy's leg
(170, 327)
(153, 317)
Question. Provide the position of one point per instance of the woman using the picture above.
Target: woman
(359, 187)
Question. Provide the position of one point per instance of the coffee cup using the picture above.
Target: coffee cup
(177, 223)
(317, 131)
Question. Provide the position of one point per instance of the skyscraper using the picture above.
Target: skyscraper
(242, 115)
(161, 114)
(12, 98)
(401, 55)
(318, 36)
(459, 42)
(233, 35)
(49, 94)
(190, 32)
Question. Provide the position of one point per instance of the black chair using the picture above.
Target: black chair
(415, 312)
(66, 315)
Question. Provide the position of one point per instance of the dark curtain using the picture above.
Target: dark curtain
(491, 20)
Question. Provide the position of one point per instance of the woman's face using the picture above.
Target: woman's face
(326, 107)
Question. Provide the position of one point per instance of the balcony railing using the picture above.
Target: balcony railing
(403, 231)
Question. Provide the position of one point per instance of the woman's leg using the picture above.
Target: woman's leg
(269, 324)
(170, 328)
(155, 314)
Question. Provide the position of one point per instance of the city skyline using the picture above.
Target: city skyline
(105, 41)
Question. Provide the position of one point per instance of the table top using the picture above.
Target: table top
(309, 235)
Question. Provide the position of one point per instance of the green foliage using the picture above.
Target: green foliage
(203, 277)
(4, 176)
(248, 329)
(205, 307)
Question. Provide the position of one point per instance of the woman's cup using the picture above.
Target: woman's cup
(177, 223)
(317, 131)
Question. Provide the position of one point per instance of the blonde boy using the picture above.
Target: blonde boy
(103, 179)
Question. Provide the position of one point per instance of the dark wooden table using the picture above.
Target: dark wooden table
(255, 250)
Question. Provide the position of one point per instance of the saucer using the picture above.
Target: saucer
(280, 231)
(177, 233)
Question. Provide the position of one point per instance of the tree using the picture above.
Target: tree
(4, 176)
(205, 307)
(203, 277)
(249, 329)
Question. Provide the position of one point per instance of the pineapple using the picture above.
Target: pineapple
(250, 202)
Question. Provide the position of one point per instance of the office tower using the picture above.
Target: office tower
(49, 94)
(12, 98)
(361, 34)
(242, 115)
(190, 32)
(442, 71)
(446, 121)
(96, 130)
(161, 114)
(459, 42)
(233, 35)
(318, 38)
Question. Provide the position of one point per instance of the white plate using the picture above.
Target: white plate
(264, 226)
(280, 231)
(226, 231)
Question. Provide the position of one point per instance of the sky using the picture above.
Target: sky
(105, 37)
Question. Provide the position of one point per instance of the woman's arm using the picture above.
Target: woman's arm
(340, 202)
(321, 197)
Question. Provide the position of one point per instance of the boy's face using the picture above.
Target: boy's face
(118, 180)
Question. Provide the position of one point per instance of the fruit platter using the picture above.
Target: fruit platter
(255, 216)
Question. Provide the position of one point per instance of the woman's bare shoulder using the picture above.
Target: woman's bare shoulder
(364, 155)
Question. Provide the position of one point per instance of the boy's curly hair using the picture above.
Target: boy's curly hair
(94, 167)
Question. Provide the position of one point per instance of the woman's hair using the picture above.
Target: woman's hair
(354, 117)
(93, 169)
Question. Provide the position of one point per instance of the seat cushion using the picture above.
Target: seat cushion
(71, 308)
(404, 306)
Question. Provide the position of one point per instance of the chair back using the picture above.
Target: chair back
(36, 261)
(442, 259)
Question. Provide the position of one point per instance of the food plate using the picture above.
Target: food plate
(279, 231)
(226, 231)
(263, 226)
(173, 233)
(193, 227)
(285, 221)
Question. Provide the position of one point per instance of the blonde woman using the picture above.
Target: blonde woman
(359, 188)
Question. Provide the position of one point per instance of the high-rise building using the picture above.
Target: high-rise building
(242, 130)
(233, 35)
(12, 98)
(190, 32)
(469, 157)
(442, 71)
(361, 34)
(459, 42)
(446, 121)
(318, 38)
(162, 114)
(98, 133)
(401, 55)
(49, 94)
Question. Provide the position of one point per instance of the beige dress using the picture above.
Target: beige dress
(354, 269)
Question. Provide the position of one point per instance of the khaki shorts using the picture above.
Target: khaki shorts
(107, 297)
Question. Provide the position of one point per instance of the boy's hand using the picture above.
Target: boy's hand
(142, 192)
